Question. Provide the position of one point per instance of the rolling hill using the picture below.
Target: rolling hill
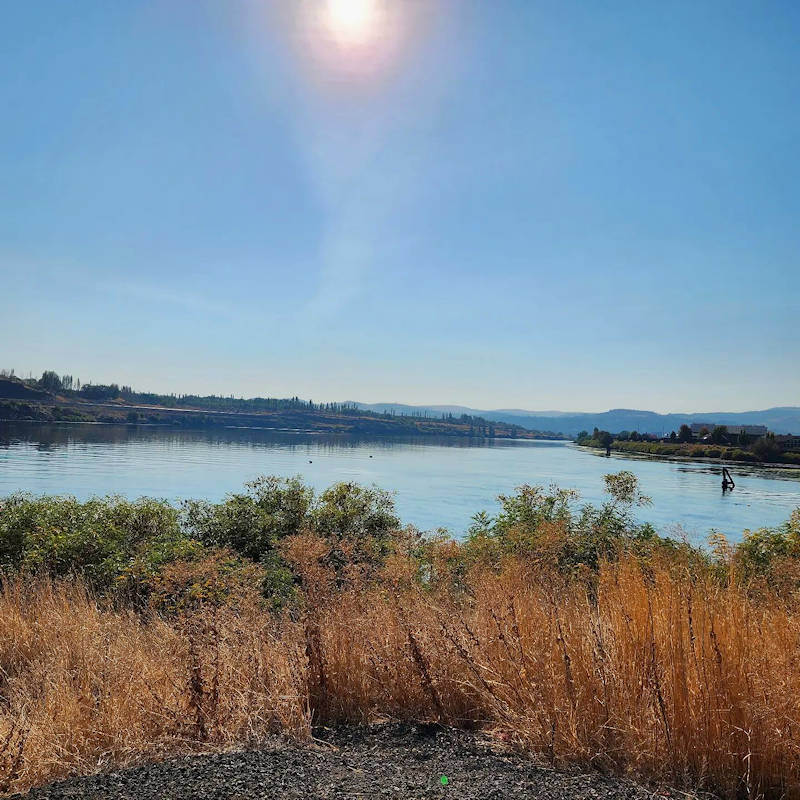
(782, 419)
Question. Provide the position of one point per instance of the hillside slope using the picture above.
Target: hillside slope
(782, 419)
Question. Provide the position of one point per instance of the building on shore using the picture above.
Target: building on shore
(788, 443)
(752, 431)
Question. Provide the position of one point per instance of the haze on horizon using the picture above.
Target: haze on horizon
(534, 205)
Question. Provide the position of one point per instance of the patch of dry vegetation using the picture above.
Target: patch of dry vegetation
(651, 672)
(84, 687)
(582, 638)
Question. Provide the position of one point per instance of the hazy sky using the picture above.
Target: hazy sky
(574, 205)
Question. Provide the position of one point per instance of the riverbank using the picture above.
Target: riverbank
(54, 401)
(713, 454)
(138, 632)
(320, 421)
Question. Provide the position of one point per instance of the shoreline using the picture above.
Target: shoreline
(318, 420)
(766, 466)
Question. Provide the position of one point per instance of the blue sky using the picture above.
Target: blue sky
(507, 204)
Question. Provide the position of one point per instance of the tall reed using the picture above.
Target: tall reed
(646, 671)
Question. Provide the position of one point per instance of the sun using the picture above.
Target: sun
(352, 22)
(352, 44)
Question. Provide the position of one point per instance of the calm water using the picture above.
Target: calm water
(438, 482)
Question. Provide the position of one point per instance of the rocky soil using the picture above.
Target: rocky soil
(384, 761)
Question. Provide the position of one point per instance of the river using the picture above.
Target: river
(439, 481)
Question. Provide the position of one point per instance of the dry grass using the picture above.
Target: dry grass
(671, 679)
(82, 688)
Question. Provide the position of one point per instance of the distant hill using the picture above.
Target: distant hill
(54, 398)
(784, 419)
(469, 421)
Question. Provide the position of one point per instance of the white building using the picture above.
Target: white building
(755, 431)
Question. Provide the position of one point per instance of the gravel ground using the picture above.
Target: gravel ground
(384, 761)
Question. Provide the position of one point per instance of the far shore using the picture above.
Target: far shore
(791, 469)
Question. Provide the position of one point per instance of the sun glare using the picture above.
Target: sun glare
(352, 21)
(353, 43)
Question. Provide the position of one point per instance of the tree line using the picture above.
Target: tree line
(70, 387)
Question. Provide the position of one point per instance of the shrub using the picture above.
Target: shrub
(768, 553)
(357, 522)
(253, 522)
(113, 542)
(765, 449)
(207, 580)
(544, 526)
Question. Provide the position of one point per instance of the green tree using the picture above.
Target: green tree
(685, 434)
(720, 434)
(766, 449)
(50, 382)
(604, 438)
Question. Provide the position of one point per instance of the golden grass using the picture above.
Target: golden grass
(673, 680)
(83, 688)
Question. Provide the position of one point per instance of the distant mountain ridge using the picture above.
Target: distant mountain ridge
(781, 419)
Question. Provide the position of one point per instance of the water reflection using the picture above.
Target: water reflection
(47, 436)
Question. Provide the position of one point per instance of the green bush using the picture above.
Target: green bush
(251, 523)
(121, 545)
(358, 520)
(187, 554)
(545, 524)
(113, 542)
(770, 555)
